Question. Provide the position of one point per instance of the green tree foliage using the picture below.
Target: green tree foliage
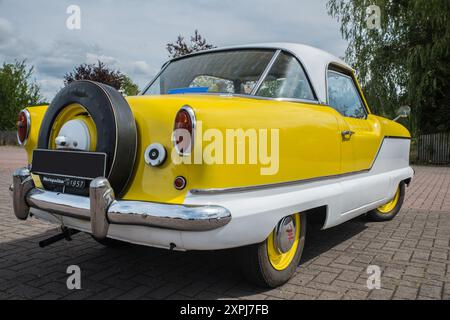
(129, 87)
(180, 47)
(406, 61)
(17, 91)
(101, 73)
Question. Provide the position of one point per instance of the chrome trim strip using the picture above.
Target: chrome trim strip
(272, 185)
(278, 99)
(397, 137)
(263, 76)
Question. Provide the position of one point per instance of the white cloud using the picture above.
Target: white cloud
(49, 87)
(5, 31)
(141, 68)
(92, 58)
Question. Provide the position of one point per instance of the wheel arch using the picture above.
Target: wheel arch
(407, 181)
(317, 216)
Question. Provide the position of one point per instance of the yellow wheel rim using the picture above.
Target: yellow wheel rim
(74, 112)
(388, 207)
(279, 260)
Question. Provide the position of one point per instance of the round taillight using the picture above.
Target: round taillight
(183, 130)
(23, 126)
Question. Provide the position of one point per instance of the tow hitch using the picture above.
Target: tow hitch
(66, 233)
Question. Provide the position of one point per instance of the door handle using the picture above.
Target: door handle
(347, 134)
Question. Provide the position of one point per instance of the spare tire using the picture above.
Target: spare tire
(116, 133)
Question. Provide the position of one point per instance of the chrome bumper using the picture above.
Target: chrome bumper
(102, 209)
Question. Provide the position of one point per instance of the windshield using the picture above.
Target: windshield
(236, 72)
(223, 72)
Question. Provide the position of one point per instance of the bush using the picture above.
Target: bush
(17, 91)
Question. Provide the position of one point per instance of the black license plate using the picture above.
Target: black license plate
(74, 164)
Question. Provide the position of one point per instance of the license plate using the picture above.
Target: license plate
(73, 164)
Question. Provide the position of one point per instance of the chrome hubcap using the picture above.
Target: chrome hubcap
(285, 234)
(74, 134)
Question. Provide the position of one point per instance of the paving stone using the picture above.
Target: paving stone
(415, 271)
(329, 295)
(381, 294)
(406, 292)
(354, 294)
(348, 275)
(325, 277)
(431, 291)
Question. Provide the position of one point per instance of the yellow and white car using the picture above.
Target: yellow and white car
(225, 148)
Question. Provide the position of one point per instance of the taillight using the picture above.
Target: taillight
(184, 130)
(23, 127)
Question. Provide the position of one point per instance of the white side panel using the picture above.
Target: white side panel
(380, 181)
(255, 213)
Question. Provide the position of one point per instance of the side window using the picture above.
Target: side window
(286, 79)
(343, 95)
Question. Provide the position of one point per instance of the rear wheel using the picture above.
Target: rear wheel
(389, 210)
(273, 261)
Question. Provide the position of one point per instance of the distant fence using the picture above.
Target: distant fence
(434, 148)
(8, 138)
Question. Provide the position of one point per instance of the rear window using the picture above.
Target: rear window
(223, 72)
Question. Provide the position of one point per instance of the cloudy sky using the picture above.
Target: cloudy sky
(131, 35)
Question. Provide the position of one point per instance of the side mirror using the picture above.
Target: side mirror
(402, 112)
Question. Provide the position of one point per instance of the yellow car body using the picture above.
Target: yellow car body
(307, 149)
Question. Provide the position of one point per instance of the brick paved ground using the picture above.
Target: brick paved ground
(412, 251)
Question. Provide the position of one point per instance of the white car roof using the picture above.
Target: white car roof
(314, 60)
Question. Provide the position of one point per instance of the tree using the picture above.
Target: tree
(180, 47)
(101, 73)
(17, 91)
(406, 61)
(129, 87)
